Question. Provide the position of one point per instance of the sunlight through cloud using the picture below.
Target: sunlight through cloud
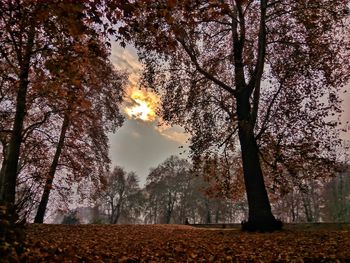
(141, 104)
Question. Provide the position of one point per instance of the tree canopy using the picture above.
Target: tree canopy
(267, 71)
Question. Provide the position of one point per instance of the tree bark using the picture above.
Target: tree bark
(260, 217)
(39, 218)
(10, 166)
(2, 177)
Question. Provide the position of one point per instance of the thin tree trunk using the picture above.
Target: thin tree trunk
(217, 216)
(293, 208)
(117, 212)
(169, 209)
(307, 208)
(208, 214)
(111, 214)
(10, 165)
(39, 218)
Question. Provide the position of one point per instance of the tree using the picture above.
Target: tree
(67, 94)
(31, 33)
(116, 194)
(175, 191)
(337, 197)
(222, 69)
(134, 204)
(71, 219)
(302, 203)
(92, 104)
(16, 34)
(165, 185)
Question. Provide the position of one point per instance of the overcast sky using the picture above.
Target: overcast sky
(140, 145)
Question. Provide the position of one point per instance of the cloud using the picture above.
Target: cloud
(140, 153)
(135, 134)
(126, 59)
(174, 133)
(141, 143)
(141, 104)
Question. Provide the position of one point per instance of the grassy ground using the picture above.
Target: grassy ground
(174, 243)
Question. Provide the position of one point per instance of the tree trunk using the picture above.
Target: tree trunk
(9, 176)
(112, 210)
(11, 165)
(117, 213)
(293, 208)
(2, 177)
(208, 212)
(39, 218)
(9, 171)
(217, 216)
(307, 208)
(169, 209)
(260, 217)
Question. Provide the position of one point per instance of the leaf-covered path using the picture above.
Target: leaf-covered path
(173, 243)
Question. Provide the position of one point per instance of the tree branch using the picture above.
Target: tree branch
(269, 109)
(255, 81)
(32, 127)
(228, 138)
(238, 40)
(201, 70)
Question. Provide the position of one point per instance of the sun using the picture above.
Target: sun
(141, 104)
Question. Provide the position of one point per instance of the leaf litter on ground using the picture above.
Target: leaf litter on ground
(179, 243)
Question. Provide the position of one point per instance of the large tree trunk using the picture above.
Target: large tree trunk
(260, 216)
(10, 165)
(39, 218)
(248, 95)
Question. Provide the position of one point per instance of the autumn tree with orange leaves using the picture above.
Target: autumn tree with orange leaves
(90, 109)
(264, 73)
(58, 77)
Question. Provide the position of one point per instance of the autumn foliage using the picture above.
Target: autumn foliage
(264, 75)
(257, 121)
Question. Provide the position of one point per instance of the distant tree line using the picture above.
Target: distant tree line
(175, 192)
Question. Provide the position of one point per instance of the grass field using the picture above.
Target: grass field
(177, 243)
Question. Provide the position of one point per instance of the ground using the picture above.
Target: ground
(175, 243)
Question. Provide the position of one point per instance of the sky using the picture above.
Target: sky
(141, 144)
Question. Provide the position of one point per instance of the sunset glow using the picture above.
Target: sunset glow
(141, 105)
